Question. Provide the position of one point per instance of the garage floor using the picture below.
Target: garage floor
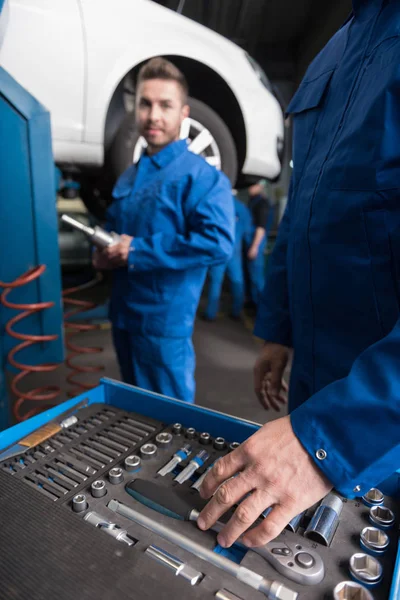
(225, 350)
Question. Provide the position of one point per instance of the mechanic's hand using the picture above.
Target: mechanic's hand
(268, 373)
(100, 261)
(252, 253)
(117, 254)
(274, 466)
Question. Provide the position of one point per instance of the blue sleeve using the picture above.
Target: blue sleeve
(110, 224)
(210, 232)
(273, 323)
(356, 420)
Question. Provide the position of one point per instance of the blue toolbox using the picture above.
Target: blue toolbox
(129, 463)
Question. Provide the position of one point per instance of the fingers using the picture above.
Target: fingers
(244, 516)
(223, 469)
(275, 377)
(271, 526)
(261, 369)
(228, 494)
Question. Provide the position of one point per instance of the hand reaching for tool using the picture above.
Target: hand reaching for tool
(113, 256)
(274, 466)
(268, 373)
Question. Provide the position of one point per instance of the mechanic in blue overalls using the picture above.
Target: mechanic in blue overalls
(233, 270)
(176, 216)
(332, 292)
(260, 213)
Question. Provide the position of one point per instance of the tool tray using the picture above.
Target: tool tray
(49, 551)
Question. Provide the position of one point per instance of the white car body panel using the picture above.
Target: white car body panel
(78, 51)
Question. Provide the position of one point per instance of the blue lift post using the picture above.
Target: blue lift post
(28, 227)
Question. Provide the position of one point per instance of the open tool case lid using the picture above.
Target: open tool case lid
(47, 551)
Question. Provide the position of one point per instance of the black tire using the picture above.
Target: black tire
(122, 148)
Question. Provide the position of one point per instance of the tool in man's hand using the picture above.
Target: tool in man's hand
(63, 421)
(98, 236)
(274, 590)
(302, 565)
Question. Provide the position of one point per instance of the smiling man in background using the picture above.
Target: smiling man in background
(175, 215)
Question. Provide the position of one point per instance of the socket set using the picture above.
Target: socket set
(138, 480)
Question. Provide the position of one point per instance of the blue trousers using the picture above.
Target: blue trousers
(256, 272)
(162, 365)
(234, 272)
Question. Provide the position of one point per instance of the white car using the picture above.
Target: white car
(79, 58)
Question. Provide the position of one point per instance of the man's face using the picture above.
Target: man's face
(160, 111)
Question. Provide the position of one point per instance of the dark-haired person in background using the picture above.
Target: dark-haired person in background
(176, 217)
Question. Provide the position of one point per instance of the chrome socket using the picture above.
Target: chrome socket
(373, 497)
(79, 503)
(164, 439)
(219, 443)
(350, 590)
(374, 540)
(177, 428)
(295, 523)
(204, 438)
(365, 569)
(98, 488)
(234, 445)
(132, 463)
(381, 517)
(190, 433)
(325, 520)
(115, 475)
(148, 451)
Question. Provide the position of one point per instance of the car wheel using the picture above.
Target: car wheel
(207, 134)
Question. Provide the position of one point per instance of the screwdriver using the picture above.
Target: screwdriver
(196, 462)
(178, 457)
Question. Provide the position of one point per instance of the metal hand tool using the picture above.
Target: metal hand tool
(77, 465)
(225, 595)
(350, 590)
(199, 482)
(111, 528)
(195, 464)
(373, 497)
(79, 503)
(234, 445)
(148, 451)
(175, 564)
(325, 520)
(132, 463)
(190, 433)
(178, 457)
(365, 569)
(98, 236)
(204, 438)
(177, 428)
(63, 421)
(219, 443)
(164, 439)
(115, 475)
(374, 541)
(294, 524)
(381, 517)
(272, 589)
(303, 565)
(98, 488)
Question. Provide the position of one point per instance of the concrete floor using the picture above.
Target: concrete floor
(225, 350)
